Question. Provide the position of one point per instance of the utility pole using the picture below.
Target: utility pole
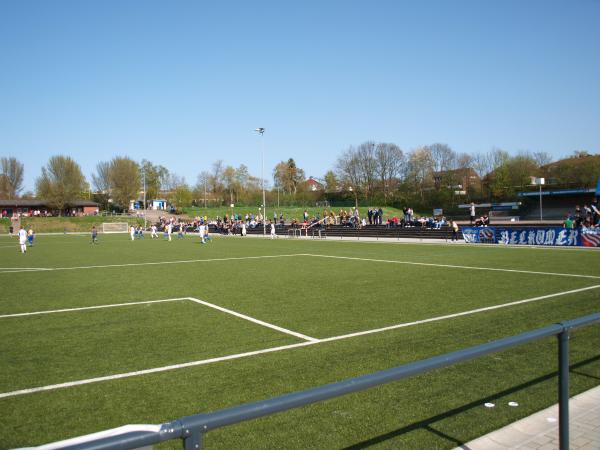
(261, 131)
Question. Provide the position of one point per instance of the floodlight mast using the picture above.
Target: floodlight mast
(261, 131)
(145, 209)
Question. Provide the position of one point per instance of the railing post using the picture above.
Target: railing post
(192, 440)
(563, 389)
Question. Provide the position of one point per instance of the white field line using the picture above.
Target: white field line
(464, 313)
(192, 299)
(453, 266)
(252, 319)
(185, 261)
(441, 241)
(277, 349)
(114, 305)
(149, 371)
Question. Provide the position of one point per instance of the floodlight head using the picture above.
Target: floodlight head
(260, 130)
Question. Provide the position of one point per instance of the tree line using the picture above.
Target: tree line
(436, 175)
(369, 173)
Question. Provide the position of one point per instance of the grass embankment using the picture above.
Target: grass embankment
(289, 212)
(66, 224)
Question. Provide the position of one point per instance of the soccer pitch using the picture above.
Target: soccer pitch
(97, 336)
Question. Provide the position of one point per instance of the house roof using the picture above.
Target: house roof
(313, 181)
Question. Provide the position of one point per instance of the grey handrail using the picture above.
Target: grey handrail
(192, 428)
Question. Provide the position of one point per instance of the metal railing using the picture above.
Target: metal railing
(191, 429)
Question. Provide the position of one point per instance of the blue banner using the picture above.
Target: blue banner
(555, 236)
(556, 192)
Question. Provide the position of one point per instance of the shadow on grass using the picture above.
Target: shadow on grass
(426, 424)
(583, 374)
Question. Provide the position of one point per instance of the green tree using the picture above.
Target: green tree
(230, 183)
(288, 176)
(182, 197)
(61, 182)
(520, 170)
(331, 181)
(498, 180)
(155, 175)
(581, 170)
(124, 181)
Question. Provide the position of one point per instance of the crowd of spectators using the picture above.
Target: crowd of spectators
(587, 216)
(482, 221)
(237, 223)
(47, 213)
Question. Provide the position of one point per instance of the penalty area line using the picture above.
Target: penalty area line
(83, 308)
(149, 371)
(252, 319)
(185, 261)
(281, 348)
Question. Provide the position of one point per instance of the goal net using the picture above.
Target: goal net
(115, 227)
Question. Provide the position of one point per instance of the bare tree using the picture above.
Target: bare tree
(216, 185)
(542, 158)
(420, 169)
(483, 163)
(443, 157)
(390, 163)
(464, 161)
(11, 178)
(367, 164)
(171, 181)
(101, 179)
(350, 173)
(202, 185)
(101, 183)
(242, 176)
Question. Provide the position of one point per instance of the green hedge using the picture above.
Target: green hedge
(67, 224)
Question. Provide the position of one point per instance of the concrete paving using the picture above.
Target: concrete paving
(540, 431)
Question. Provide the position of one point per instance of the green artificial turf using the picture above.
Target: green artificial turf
(288, 283)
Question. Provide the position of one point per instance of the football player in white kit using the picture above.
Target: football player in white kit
(169, 230)
(22, 239)
(201, 231)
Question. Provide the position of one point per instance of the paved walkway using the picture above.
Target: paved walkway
(540, 431)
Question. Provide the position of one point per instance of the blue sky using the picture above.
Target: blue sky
(183, 83)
